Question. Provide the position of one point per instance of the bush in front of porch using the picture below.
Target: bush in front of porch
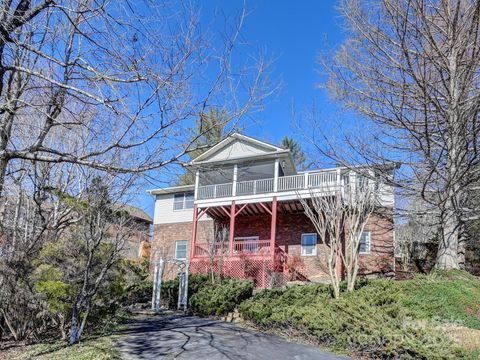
(383, 319)
(221, 298)
(207, 298)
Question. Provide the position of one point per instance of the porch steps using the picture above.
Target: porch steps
(283, 259)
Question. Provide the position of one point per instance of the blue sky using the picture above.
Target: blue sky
(293, 32)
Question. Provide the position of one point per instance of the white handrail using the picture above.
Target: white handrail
(317, 179)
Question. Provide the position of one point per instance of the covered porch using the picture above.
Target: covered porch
(235, 246)
(252, 247)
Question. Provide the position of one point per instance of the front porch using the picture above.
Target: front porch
(235, 247)
(250, 248)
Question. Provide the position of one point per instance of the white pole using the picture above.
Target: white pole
(197, 179)
(234, 183)
(154, 290)
(275, 176)
(158, 289)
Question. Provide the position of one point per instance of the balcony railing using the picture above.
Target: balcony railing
(329, 180)
(209, 250)
(261, 186)
(250, 247)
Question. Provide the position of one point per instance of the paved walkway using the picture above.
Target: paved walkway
(187, 337)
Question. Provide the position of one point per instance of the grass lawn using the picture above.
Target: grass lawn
(429, 317)
(99, 347)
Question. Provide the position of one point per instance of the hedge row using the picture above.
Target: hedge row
(383, 319)
(206, 298)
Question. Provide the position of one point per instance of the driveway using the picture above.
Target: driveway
(187, 337)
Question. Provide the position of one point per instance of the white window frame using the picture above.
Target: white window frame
(368, 243)
(183, 201)
(176, 249)
(302, 253)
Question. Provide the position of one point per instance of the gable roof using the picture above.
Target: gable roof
(238, 146)
(136, 212)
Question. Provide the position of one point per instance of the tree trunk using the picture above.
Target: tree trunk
(3, 171)
(462, 238)
(447, 255)
(75, 327)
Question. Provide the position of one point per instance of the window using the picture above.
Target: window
(181, 249)
(189, 200)
(183, 201)
(365, 243)
(309, 244)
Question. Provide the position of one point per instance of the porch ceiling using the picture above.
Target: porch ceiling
(253, 209)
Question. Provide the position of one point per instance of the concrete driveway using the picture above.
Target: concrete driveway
(187, 337)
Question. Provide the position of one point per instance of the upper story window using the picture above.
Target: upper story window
(183, 201)
(365, 243)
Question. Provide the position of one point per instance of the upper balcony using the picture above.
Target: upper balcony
(243, 169)
(330, 180)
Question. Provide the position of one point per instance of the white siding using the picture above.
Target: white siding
(386, 195)
(164, 213)
(238, 149)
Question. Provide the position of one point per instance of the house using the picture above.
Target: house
(137, 244)
(244, 215)
(16, 210)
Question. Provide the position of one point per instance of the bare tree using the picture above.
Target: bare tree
(326, 214)
(129, 77)
(100, 236)
(339, 219)
(103, 86)
(413, 236)
(217, 250)
(358, 205)
(31, 216)
(409, 69)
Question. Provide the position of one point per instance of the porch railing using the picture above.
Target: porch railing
(328, 180)
(209, 250)
(250, 247)
(215, 191)
(253, 187)
(258, 247)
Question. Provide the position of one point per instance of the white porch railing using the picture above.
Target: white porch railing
(215, 191)
(329, 180)
(252, 187)
(293, 182)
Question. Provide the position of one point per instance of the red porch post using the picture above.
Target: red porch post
(194, 231)
(232, 227)
(273, 228)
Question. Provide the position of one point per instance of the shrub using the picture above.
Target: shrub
(169, 292)
(382, 319)
(138, 287)
(220, 298)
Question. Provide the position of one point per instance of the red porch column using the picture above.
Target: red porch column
(194, 231)
(232, 227)
(273, 228)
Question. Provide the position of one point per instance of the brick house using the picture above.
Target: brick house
(243, 215)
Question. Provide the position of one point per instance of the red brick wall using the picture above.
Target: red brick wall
(290, 227)
(165, 236)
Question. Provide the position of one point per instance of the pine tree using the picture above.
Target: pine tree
(209, 130)
(296, 150)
